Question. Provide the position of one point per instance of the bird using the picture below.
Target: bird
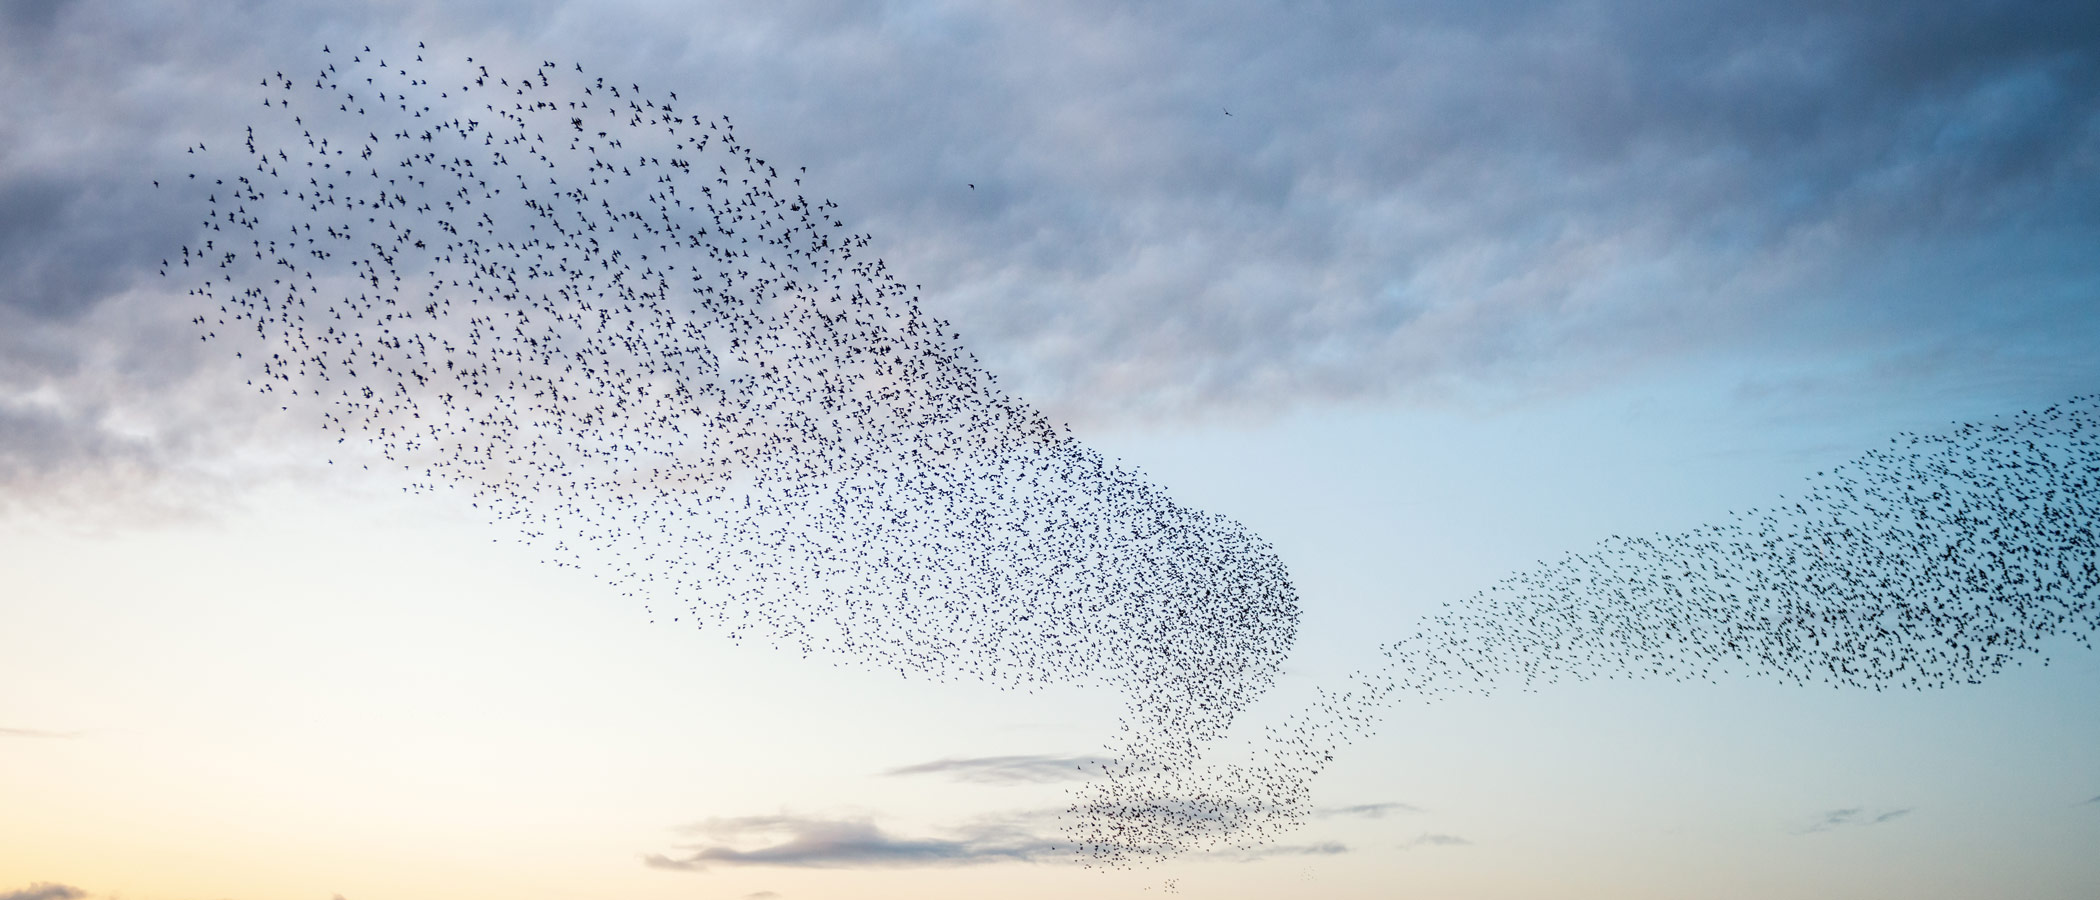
(530, 296)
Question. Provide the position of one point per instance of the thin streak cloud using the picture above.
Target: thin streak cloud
(1368, 810)
(1025, 769)
(1856, 816)
(37, 733)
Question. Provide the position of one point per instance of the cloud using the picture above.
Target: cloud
(1852, 816)
(1435, 840)
(44, 890)
(2094, 801)
(1368, 810)
(761, 895)
(1029, 769)
(1442, 198)
(787, 841)
(1409, 203)
(36, 733)
(1252, 854)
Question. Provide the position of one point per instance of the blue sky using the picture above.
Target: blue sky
(1421, 293)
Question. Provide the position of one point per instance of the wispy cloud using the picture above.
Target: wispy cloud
(35, 733)
(761, 895)
(788, 841)
(1367, 810)
(1427, 839)
(1852, 816)
(2094, 801)
(1251, 854)
(1026, 769)
(44, 890)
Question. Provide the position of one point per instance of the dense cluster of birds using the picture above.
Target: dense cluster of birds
(1937, 561)
(618, 328)
(524, 283)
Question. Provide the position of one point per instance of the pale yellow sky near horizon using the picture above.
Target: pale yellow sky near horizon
(327, 690)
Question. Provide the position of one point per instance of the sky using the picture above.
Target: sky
(1421, 293)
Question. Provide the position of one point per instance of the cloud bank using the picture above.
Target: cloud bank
(1415, 204)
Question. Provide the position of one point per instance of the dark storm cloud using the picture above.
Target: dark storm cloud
(1026, 769)
(44, 890)
(815, 843)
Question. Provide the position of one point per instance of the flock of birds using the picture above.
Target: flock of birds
(523, 282)
(1938, 561)
(618, 328)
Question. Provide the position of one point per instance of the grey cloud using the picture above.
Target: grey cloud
(1408, 203)
(1368, 810)
(1323, 848)
(68, 242)
(32, 14)
(1851, 816)
(1833, 819)
(97, 412)
(1024, 769)
(2094, 801)
(44, 890)
(1435, 840)
(815, 843)
(41, 439)
(1410, 199)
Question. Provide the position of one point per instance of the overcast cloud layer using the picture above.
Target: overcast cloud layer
(1184, 209)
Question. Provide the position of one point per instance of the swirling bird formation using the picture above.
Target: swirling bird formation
(617, 328)
(1937, 561)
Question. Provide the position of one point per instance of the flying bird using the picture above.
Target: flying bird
(702, 387)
